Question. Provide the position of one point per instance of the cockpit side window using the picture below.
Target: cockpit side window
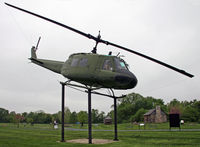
(74, 62)
(107, 65)
(83, 62)
(120, 65)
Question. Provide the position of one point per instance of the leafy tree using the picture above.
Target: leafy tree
(111, 114)
(95, 115)
(3, 115)
(24, 114)
(129, 106)
(176, 104)
(32, 115)
(59, 114)
(29, 120)
(139, 115)
(39, 116)
(73, 117)
(67, 115)
(190, 114)
(82, 117)
(18, 119)
(12, 117)
(101, 117)
(48, 119)
(56, 117)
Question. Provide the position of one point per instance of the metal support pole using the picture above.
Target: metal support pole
(115, 118)
(89, 118)
(62, 108)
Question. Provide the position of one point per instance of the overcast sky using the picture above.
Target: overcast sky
(167, 30)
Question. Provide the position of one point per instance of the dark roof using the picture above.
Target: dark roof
(108, 118)
(150, 112)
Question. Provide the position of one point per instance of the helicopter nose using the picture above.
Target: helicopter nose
(133, 82)
(129, 80)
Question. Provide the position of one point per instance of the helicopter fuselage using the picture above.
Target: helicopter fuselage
(99, 71)
(90, 69)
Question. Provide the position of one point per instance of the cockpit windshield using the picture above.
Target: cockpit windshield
(120, 64)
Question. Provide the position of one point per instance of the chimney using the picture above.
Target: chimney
(158, 118)
(158, 110)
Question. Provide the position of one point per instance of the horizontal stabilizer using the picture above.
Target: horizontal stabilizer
(35, 60)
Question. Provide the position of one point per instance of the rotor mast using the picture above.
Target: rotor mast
(94, 51)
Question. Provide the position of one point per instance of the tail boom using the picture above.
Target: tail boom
(52, 65)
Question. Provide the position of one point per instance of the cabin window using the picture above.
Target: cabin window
(107, 65)
(83, 62)
(74, 62)
(120, 64)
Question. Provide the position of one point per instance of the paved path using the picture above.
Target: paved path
(142, 130)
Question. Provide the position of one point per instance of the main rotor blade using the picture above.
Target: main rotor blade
(149, 58)
(105, 42)
(53, 21)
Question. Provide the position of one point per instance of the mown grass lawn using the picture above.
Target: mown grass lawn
(46, 136)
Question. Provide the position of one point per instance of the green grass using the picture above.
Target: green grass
(41, 135)
(129, 126)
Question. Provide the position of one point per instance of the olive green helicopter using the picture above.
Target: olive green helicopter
(92, 69)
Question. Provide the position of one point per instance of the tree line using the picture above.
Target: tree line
(45, 118)
(129, 109)
(133, 107)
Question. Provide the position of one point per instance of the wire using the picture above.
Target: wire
(19, 27)
(75, 88)
(167, 85)
(197, 75)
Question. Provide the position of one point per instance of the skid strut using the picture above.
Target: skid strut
(63, 109)
(90, 91)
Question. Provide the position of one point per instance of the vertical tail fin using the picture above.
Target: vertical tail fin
(52, 65)
(33, 52)
(34, 49)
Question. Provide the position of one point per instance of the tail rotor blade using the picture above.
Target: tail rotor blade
(37, 43)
